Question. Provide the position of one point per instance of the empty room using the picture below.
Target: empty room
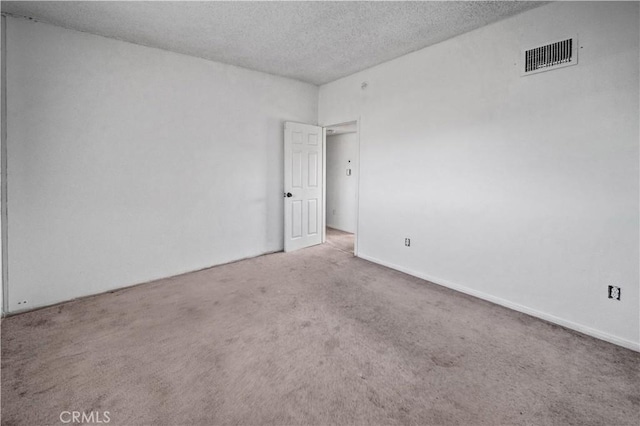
(318, 213)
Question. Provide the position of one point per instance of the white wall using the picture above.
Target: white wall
(521, 190)
(3, 146)
(341, 189)
(128, 163)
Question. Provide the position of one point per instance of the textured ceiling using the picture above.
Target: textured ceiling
(316, 42)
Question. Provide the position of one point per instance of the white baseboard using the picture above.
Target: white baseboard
(126, 286)
(339, 229)
(511, 305)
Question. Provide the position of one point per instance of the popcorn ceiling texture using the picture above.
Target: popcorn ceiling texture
(316, 42)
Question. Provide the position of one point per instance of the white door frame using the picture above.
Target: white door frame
(324, 181)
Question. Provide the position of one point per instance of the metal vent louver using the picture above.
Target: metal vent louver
(550, 56)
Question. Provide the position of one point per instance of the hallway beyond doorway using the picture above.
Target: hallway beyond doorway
(340, 239)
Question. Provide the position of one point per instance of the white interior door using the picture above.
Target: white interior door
(303, 185)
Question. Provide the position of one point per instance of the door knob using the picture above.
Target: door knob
(288, 195)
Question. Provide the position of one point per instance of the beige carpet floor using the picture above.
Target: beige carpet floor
(312, 337)
(340, 239)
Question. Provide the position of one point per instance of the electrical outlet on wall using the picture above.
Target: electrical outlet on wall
(407, 242)
(614, 292)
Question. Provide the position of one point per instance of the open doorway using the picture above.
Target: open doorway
(342, 171)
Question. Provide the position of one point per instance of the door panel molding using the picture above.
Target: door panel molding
(304, 185)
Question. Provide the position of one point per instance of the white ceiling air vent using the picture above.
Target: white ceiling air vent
(551, 56)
